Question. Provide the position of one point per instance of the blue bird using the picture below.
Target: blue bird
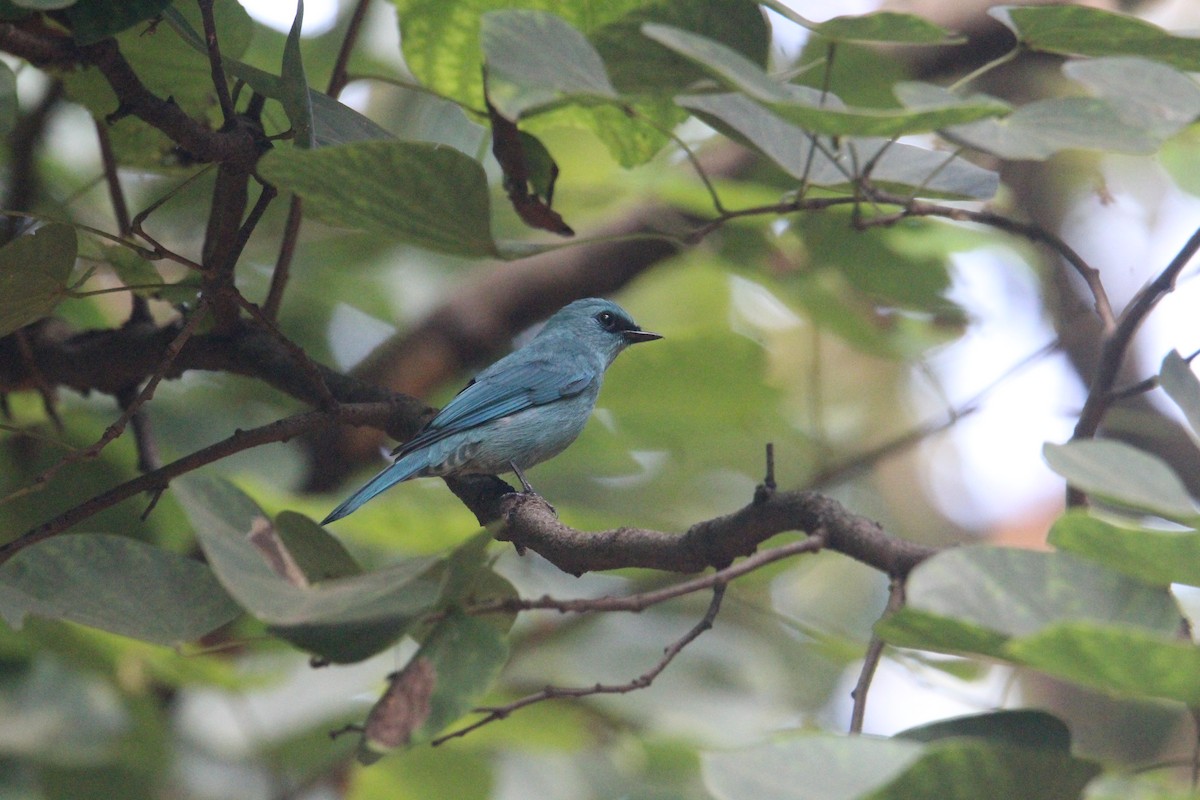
(527, 407)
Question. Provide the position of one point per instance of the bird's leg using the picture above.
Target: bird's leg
(525, 485)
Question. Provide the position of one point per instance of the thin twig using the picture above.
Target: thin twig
(279, 431)
(338, 76)
(214, 61)
(492, 714)
(325, 398)
(338, 79)
(635, 603)
(1116, 344)
(283, 262)
(49, 404)
(1034, 233)
(871, 659)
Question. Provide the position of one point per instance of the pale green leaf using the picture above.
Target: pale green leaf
(116, 584)
(34, 270)
(1121, 474)
(344, 619)
(1155, 556)
(427, 195)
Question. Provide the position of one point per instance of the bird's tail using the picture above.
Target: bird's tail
(402, 470)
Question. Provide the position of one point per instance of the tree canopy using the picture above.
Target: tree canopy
(237, 262)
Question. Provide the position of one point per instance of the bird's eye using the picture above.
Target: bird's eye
(607, 320)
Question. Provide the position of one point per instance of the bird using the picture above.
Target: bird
(522, 410)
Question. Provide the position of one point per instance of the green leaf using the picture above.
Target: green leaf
(1084, 31)
(837, 768)
(441, 38)
(34, 270)
(971, 598)
(1022, 727)
(318, 555)
(1118, 659)
(294, 91)
(534, 58)
(809, 108)
(872, 264)
(1124, 476)
(828, 767)
(1154, 556)
(1181, 385)
(901, 167)
(333, 123)
(458, 661)
(1037, 130)
(116, 584)
(93, 20)
(972, 768)
(426, 195)
(640, 66)
(343, 620)
(1146, 94)
(8, 99)
(884, 27)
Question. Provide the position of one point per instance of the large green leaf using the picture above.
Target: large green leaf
(458, 661)
(883, 27)
(638, 65)
(975, 598)
(1118, 659)
(1084, 31)
(1155, 556)
(1181, 385)
(1121, 474)
(441, 38)
(116, 584)
(344, 619)
(901, 167)
(34, 270)
(1022, 727)
(1038, 130)
(823, 767)
(93, 20)
(534, 58)
(828, 767)
(809, 108)
(1146, 94)
(430, 196)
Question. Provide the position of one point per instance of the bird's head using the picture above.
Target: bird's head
(601, 325)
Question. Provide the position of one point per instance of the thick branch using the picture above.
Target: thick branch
(529, 522)
(195, 137)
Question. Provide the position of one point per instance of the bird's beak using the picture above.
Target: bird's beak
(635, 336)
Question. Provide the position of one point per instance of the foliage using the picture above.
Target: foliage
(800, 283)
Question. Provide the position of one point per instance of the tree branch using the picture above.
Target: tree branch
(379, 414)
(871, 659)
(492, 714)
(530, 522)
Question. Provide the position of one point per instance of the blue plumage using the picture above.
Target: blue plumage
(527, 407)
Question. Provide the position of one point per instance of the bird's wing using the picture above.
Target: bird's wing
(503, 389)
